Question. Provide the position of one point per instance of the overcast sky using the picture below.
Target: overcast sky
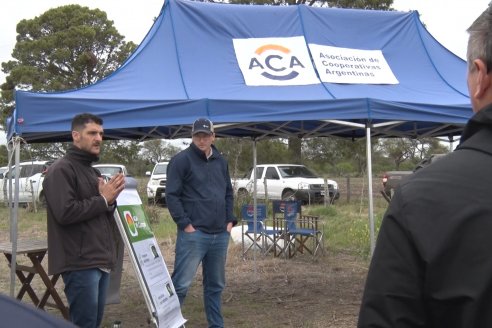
(446, 20)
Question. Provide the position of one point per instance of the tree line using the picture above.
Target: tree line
(328, 156)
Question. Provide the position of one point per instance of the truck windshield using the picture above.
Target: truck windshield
(160, 169)
(109, 170)
(296, 172)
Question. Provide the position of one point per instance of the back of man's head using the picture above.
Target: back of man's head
(480, 39)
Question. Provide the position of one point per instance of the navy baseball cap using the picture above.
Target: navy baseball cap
(202, 125)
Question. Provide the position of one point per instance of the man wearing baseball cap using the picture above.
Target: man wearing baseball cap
(199, 197)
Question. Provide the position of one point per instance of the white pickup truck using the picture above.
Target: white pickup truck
(286, 181)
(30, 182)
(109, 170)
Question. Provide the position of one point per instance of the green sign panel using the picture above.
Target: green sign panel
(135, 222)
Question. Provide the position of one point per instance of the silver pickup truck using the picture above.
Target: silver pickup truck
(391, 179)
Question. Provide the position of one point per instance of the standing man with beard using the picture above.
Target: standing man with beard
(432, 266)
(82, 233)
(200, 199)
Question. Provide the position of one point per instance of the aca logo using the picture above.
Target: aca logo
(282, 207)
(289, 209)
(250, 210)
(275, 62)
(131, 223)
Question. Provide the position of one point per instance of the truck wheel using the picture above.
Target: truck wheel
(288, 195)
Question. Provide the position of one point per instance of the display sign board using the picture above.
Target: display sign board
(147, 260)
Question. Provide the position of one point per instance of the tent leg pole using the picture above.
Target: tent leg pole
(14, 214)
(255, 201)
(369, 185)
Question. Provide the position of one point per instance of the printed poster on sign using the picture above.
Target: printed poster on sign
(136, 224)
(354, 66)
(275, 61)
(148, 260)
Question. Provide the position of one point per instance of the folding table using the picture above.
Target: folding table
(35, 250)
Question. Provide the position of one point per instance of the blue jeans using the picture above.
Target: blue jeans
(211, 250)
(86, 295)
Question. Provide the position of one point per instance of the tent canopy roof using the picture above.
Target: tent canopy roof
(186, 67)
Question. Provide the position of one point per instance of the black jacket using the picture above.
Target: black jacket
(81, 228)
(199, 190)
(432, 266)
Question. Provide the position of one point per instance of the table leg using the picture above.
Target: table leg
(50, 285)
(26, 283)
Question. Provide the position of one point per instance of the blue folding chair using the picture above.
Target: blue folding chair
(258, 235)
(254, 227)
(301, 233)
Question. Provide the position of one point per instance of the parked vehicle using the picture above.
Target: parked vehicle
(286, 181)
(30, 182)
(2, 170)
(109, 170)
(156, 187)
(391, 179)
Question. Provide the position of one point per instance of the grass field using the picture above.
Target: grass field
(261, 291)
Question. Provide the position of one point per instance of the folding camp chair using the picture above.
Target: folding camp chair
(272, 237)
(258, 234)
(278, 223)
(254, 227)
(309, 227)
(302, 233)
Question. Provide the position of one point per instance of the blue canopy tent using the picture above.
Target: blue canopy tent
(187, 66)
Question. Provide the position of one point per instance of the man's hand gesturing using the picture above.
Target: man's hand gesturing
(112, 188)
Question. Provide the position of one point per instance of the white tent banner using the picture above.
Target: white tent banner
(355, 66)
(275, 61)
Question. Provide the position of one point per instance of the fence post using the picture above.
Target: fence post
(327, 192)
(35, 208)
(265, 185)
(348, 189)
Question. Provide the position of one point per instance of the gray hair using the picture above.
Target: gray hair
(480, 40)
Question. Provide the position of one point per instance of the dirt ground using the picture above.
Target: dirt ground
(264, 292)
(261, 292)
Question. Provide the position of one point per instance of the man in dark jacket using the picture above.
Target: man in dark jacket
(81, 227)
(432, 266)
(199, 197)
